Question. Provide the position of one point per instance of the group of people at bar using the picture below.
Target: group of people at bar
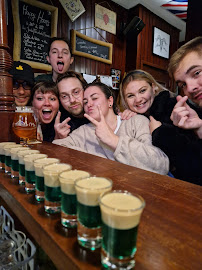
(158, 131)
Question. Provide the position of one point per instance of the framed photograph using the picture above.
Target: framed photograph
(161, 43)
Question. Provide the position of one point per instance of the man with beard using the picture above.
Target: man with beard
(59, 57)
(71, 115)
(23, 80)
(182, 140)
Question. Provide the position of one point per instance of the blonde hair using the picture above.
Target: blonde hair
(138, 75)
(194, 45)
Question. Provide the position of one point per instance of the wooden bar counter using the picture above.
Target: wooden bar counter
(170, 231)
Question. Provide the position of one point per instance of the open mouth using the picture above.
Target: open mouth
(60, 65)
(47, 113)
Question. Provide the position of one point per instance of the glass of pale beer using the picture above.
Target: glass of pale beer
(24, 124)
(68, 193)
(88, 191)
(121, 212)
(52, 203)
(39, 176)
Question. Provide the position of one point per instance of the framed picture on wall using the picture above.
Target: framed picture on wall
(161, 43)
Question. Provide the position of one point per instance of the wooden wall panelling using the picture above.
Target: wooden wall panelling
(86, 20)
(145, 44)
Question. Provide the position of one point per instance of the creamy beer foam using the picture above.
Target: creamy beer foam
(14, 155)
(39, 164)
(121, 210)
(89, 189)
(51, 173)
(68, 178)
(23, 153)
(29, 160)
(8, 147)
(2, 144)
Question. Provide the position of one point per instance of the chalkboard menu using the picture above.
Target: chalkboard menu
(35, 28)
(91, 48)
(35, 32)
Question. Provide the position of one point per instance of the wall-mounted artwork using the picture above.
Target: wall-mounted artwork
(73, 8)
(161, 43)
(105, 19)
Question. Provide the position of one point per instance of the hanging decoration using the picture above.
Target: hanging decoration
(178, 8)
(73, 8)
(105, 19)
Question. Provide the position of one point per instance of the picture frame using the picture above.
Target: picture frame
(73, 8)
(88, 47)
(34, 24)
(105, 19)
(161, 43)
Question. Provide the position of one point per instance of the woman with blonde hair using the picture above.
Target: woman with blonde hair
(142, 94)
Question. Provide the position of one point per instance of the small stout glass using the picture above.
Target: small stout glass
(52, 203)
(21, 155)
(24, 124)
(14, 161)
(68, 199)
(30, 171)
(7, 152)
(39, 176)
(121, 212)
(2, 154)
(88, 191)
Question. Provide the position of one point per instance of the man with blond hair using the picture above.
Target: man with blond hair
(182, 140)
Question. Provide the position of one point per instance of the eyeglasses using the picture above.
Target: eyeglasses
(76, 94)
(25, 85)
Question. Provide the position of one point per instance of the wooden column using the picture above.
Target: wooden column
(6, 85)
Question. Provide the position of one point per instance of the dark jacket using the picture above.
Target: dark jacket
(183, 147)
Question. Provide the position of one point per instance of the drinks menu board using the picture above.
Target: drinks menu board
(34, 24)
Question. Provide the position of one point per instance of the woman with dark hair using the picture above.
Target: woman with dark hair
(45, 101)
(127, 141)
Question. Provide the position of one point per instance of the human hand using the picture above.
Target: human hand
(103, 131)
(185, 117)
(153, 124)
(127, 114)
(61, 129)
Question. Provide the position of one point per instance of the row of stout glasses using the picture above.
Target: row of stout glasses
(103, 217)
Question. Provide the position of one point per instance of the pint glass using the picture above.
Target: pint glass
(21, 155)
(51, 173)
(2, 154)
(68, 200)
(88, 191)
(121, 212)
(39, 177)
(30, 172)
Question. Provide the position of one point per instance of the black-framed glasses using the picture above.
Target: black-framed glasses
(25, 85)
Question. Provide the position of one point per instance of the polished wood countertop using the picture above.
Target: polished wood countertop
(170, 230)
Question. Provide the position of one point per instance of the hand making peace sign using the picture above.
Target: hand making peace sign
(103, 131)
